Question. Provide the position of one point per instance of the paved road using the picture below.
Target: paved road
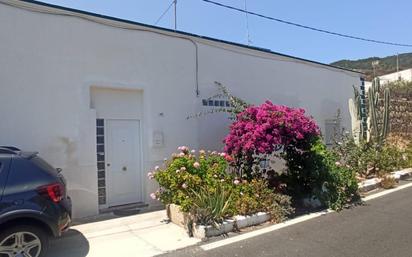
(380, 228)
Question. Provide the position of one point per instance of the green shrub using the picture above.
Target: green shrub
(317, 172)
(255, 196)
(391, 158)
(185, 173)
(367, 159)
(340, 186)
(201, 185)
(408, 156)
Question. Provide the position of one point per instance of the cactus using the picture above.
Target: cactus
(385, 129)
(378, 133)
(355, 113)
(374, 131)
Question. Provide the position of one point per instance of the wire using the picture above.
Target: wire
(307, 27)
(163, 14)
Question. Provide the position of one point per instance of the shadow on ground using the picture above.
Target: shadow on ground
(71, 244)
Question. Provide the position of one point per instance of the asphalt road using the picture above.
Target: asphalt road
(380, 228)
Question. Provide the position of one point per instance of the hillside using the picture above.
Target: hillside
(386, 64)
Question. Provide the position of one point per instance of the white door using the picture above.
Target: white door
(124, 175)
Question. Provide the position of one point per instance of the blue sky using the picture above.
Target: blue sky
(378, 19)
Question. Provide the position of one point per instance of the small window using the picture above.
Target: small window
(100, 148)
(99, 122)
(204, 102)
(99, 131)
(210, 103)
(222, 103)
(100, 157)
(100, 165)
(216, 102)
(100, 139)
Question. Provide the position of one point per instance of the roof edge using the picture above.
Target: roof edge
(101, 16)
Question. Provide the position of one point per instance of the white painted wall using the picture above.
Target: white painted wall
(400, 75)
(405, 75)
(49, 64)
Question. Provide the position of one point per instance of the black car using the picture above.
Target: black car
(33, 203)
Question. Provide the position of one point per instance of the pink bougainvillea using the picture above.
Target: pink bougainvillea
(260, 129)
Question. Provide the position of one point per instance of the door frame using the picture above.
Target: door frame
(140, 149)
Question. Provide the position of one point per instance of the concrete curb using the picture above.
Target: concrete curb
(181, 219)
(237, 222)
(374, 183)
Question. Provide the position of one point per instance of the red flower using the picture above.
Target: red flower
(229, 158)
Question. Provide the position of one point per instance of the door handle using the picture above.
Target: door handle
(124, 168)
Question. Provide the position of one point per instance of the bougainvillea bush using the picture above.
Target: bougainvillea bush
(261, 131)
(201, 184)
(265, 129)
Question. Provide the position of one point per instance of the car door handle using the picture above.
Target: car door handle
(18, 202)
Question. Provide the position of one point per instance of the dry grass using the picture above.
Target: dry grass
(388, 182)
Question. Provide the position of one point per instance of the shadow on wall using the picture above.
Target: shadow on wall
(71, 244)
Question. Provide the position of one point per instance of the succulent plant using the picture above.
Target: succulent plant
(356, 117)
(378, 132)
(378, 122)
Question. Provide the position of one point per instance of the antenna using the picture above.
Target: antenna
(175, 4)
(374, 65)
(247, 25)
(397, 62)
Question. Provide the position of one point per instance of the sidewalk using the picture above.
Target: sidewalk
(138, 235)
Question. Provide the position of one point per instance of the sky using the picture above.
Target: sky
(376, 19)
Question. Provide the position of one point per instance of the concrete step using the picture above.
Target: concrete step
(126, 210)
(139, 205)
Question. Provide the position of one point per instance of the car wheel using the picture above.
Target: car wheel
(23, 241)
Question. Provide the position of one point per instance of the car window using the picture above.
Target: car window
(4, 166)
(42, 164)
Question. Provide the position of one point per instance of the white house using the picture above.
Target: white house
(107, 99)
(405, 75)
